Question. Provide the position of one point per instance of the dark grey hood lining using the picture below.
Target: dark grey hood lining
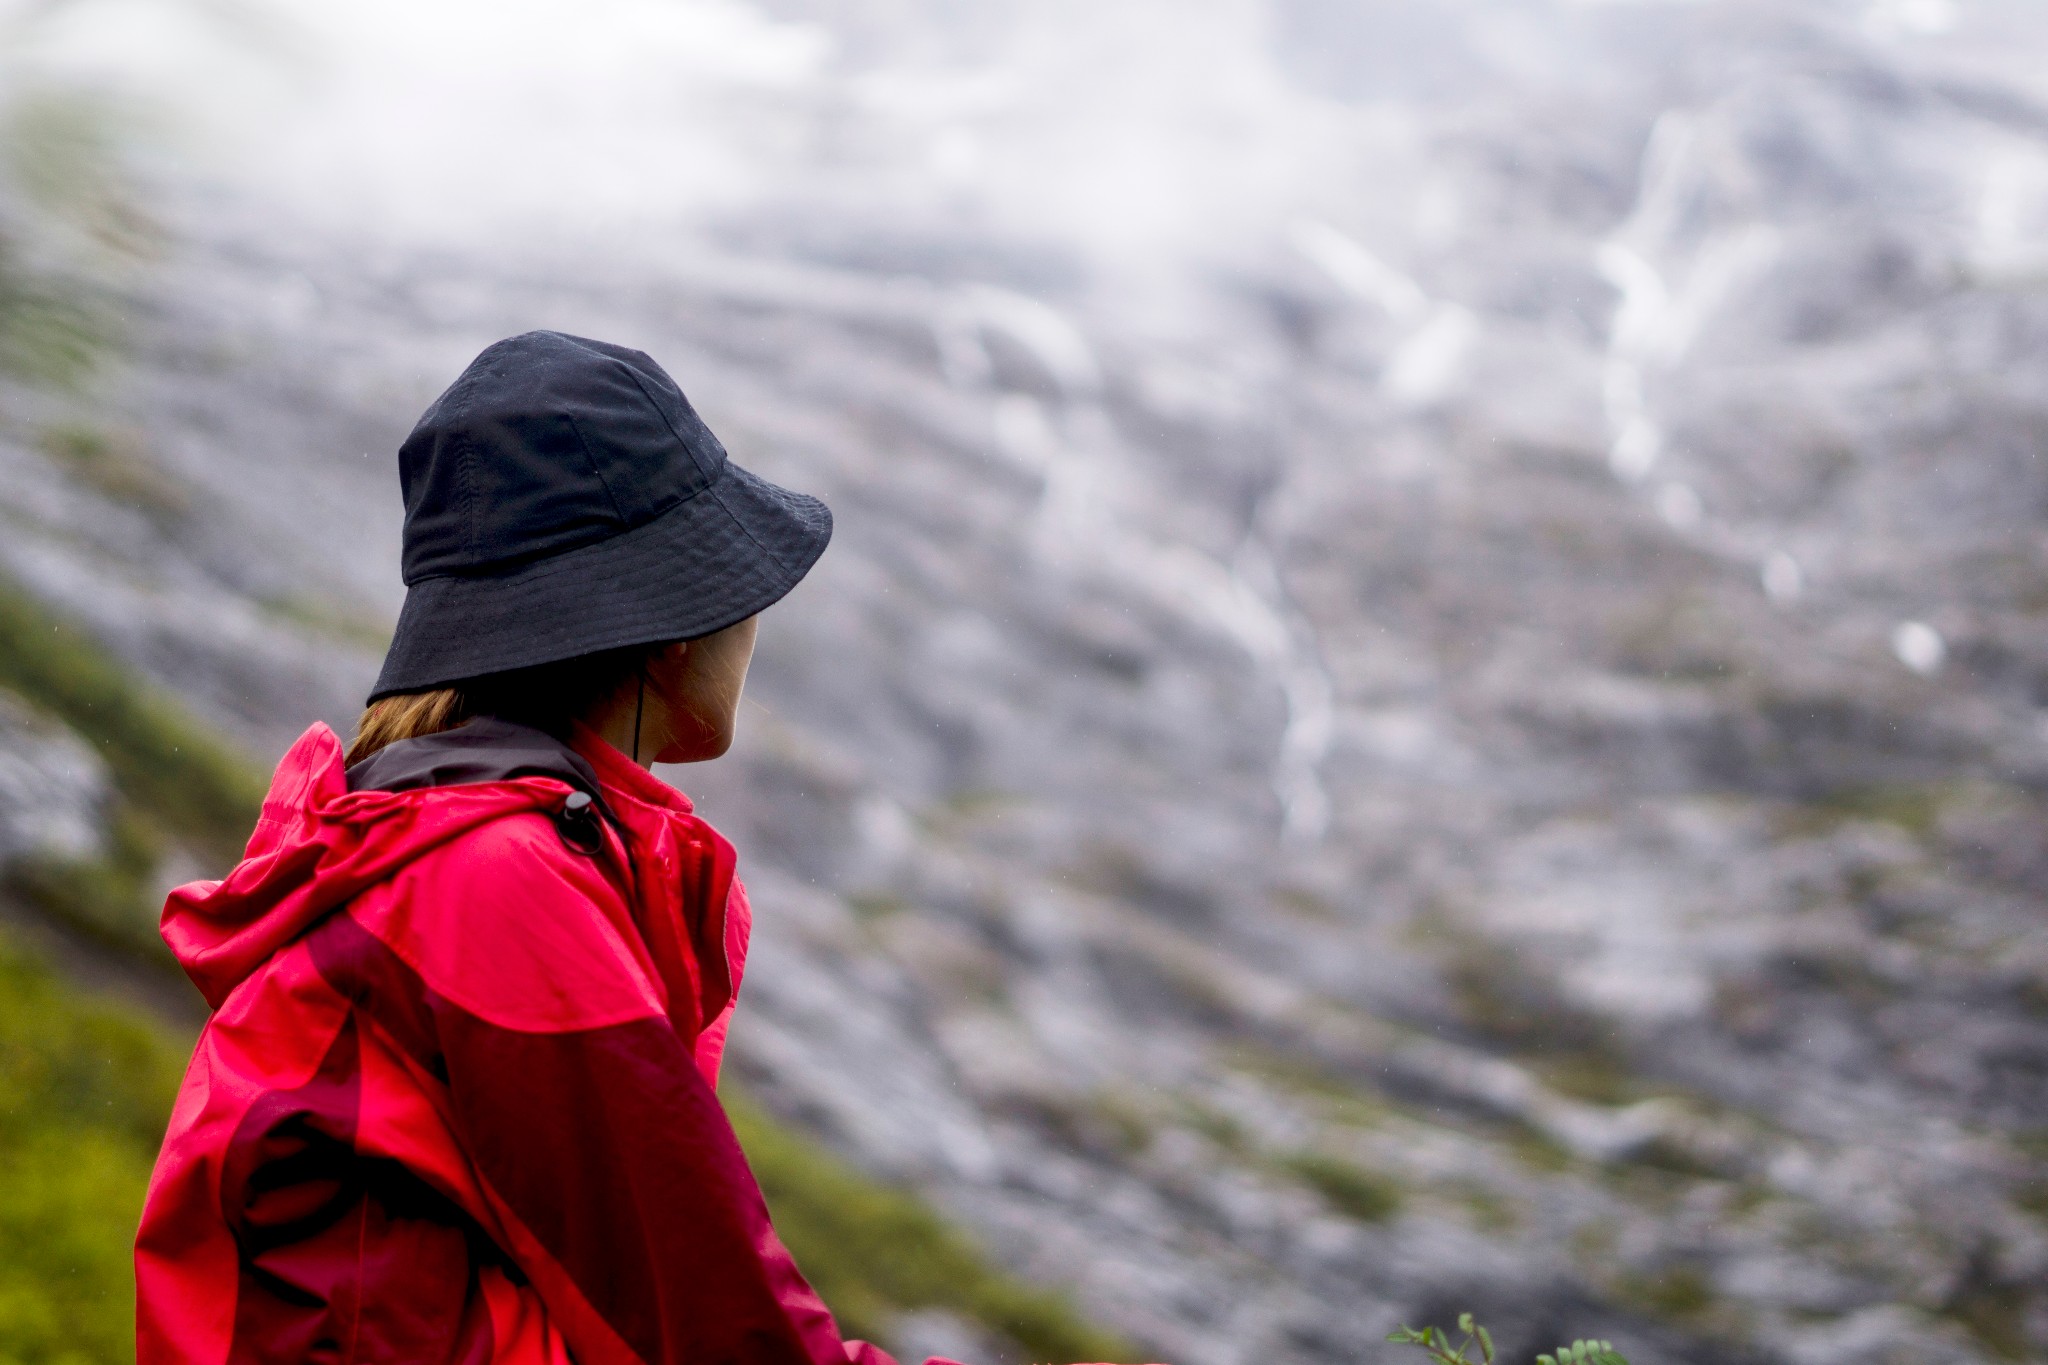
(482, 750)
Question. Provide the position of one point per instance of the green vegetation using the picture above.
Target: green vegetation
(110, 898)
(57, 320)
(84, 1088)
(1338, 1099)
(98, 1087)
(115, 465)
(84, 1092)
(174, 780)
(1915, 807)
(324, 616)
(1351, 1189)
(1678, 1293)
(1584, 1353)
(1129, 1128)
(1994, 1314)
(171, 771)
(64, 152)
(1101, 1121)
(1436, 1344)
(876, 907)
(873, 1252)
(1490, 1211)
(47, 332)
(1217, 1126)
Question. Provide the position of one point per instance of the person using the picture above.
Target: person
(472, 980)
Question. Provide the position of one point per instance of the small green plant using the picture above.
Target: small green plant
(1436, 1343)
(1584, 1353)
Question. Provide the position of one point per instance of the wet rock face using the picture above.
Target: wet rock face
(1496, 763)
(53, 789)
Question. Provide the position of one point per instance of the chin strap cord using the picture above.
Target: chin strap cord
(639, 701)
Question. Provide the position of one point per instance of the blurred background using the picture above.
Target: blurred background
(1431, 691)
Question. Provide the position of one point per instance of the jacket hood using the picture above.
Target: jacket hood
(318, 844)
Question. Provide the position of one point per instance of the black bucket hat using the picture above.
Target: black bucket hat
(562, 498)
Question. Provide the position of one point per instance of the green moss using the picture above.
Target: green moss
(1129, 1127)
(64, 147)
(68, 214)
(50, 332)
(1595, 1075)
(1217, 1126)
(323, 616)
(1683, 637)
(874, 1252)
(84, 1092)
(1996, 1315)
(1593, 1242)
(1102, 1122)
(108, 898)
(1538, 1151)
(1340, 1100)
(1749, 1197)
(1351, 1189)
(1677, 1293)
(1915, 808)
(115, 466)
(1514, 1004)
(166, 764)
(1490, 1211)
(876, 907)
(1307, 905)
(969, 806)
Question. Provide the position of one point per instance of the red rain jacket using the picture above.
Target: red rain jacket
(455, 1101)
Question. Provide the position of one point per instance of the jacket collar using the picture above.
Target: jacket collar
(488, 749)
(684, 874)
(482, 750)
(696, 948)
(621, 776)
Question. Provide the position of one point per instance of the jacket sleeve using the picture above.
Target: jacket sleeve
(619, 1185)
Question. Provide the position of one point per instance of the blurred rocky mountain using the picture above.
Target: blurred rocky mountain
(1474, 737)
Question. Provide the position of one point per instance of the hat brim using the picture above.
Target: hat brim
(733, 550)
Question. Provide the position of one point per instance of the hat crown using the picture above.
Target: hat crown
(545, 443)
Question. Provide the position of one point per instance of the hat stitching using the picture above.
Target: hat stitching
(747, 530)
(597, 469)
(624, 573)
(465, 479)
(549, 565)
(710, 476)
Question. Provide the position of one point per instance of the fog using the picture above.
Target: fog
(1445, 592)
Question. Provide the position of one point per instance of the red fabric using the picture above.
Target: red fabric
(455, 1100)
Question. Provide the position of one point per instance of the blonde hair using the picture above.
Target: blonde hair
(407, 715)
(548, 696)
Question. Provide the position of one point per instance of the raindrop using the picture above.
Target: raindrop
(1920, 647)
(1783, 579)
